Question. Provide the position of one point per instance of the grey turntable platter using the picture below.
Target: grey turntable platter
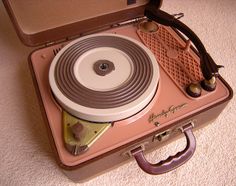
(104, 77)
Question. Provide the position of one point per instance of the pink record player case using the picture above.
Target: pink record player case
(116, 79)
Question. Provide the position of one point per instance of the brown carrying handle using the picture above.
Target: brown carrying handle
(173, 161)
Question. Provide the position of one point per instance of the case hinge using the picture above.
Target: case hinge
(131, 21)
(50, 43)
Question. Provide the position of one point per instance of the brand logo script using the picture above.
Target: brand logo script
(165, 113)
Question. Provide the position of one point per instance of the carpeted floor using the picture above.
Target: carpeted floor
(26, 157)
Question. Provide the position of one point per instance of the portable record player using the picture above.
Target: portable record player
(115, 79)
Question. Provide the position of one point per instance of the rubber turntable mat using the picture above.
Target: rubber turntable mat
(128, 92)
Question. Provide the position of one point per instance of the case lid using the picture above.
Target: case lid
(39, 22)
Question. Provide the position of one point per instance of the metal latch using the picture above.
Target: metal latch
(162, 136)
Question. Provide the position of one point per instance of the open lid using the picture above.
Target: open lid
(40, 22)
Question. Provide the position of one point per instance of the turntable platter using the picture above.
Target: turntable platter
(104, 77)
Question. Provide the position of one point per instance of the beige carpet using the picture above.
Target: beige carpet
(26, 157)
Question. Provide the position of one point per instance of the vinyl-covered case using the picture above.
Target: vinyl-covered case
(52, 23)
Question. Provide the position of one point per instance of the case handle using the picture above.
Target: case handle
(172, 162)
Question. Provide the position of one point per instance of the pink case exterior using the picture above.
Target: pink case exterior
(140, 129)
(164, 113)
